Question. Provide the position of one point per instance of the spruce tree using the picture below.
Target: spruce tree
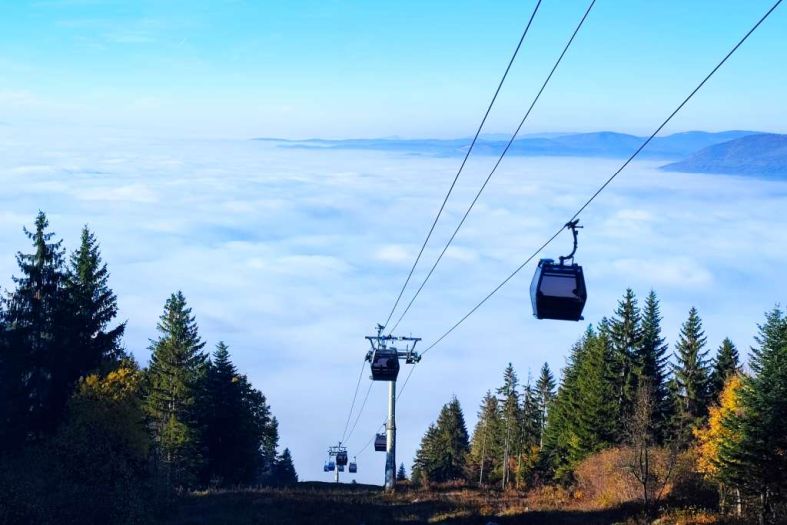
(401, 474)
(594, 406)
(625, 334)
(511, 419)
(231, 438)
(450, 446)
(726, 364)
(545, 393)
(485, 452)
(756, 460)
(650, 362)
(425, 457)
(285, 469)
(35, 356)
(691, 371)
(93, 306)
(177, 367)
(560, 434)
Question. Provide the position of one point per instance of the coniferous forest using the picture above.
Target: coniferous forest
(89, 436)
(86, 434)
(633, 418)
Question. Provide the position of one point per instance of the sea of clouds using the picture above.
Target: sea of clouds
(291, 257)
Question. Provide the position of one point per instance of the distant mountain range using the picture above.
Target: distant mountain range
(764, 154)
(597, 144)
(735, 152)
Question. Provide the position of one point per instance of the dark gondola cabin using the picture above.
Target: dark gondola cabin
(385, 364)
(353, 468)
(331, 466)
(341, 468)
(326, 468)
(341, 458)
(558, 291)
(380, 443)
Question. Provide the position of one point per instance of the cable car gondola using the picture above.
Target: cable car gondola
(331, 466)
(385, 364)
(341, 468)
(557, 290)
(380, 443)
(341, 459)
(353, 468)
(326, 468)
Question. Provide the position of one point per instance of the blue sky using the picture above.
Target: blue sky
(358, 68)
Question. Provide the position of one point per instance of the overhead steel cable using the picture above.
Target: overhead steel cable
(464, 161)
(610, 179)
(352, 405)
(360, 411)
(497, 164)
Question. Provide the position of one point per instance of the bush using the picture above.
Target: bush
(95, 469)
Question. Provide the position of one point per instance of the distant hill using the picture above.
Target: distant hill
(597, 144)
(763, 154)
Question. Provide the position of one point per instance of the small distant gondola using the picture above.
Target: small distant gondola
(557, 290)
(331, 466)
(353, 468)
(326, 467)
(380, 443)
(341, 458)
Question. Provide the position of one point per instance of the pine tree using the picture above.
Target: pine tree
(485, 453)
(691, 371)
(401, 475)
(285, 469)
(425, 457)
(35, 357)
(511, 420)
(231, 437)
(177, 367)
(727, 363)
(756, 461)
(559, 434)
(625, 335)
(594, 406)
(93, 306)
(545, 393)
(650, 363)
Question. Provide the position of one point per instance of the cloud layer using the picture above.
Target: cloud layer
(291, 257)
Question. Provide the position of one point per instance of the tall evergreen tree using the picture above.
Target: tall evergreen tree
(177, 367)
(545, 393)
(232, 439)
(511, 419)
(485, 450)
(449, 445)
(594, 406)
(285, 469)
(93, 306)
(625, 335)
(401, 474)
(726, 363)
(650, 362)
(559, 434)
(756, 459)
(691, 370)
(35, 357)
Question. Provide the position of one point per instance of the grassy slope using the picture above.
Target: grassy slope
(316, 503)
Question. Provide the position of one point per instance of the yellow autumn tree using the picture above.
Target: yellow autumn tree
(715, 433)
